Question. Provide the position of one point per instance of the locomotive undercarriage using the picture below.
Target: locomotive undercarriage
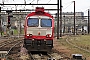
(38, 45)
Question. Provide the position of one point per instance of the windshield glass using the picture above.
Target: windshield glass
(33, 22)
(46, 22)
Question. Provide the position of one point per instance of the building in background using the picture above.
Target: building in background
(68, 21)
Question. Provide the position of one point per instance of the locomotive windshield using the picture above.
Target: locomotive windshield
(33, 22)
(46, 22)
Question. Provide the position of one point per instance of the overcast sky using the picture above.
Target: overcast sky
(81, 5)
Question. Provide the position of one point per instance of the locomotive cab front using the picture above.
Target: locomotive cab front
(39, 29)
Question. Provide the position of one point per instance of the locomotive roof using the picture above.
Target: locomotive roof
(39, 11)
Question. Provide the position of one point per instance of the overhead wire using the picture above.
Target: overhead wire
(32, 1)
(67, 6)
(48, 1)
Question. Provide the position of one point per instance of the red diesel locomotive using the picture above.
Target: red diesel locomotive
(39, 31)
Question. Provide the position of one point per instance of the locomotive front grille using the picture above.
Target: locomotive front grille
(38, 42)
(38, 45)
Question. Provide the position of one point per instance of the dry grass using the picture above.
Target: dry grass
(82, 41)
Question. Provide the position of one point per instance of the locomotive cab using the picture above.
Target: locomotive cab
(39, 29)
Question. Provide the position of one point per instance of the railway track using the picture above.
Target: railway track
(12, 46)
(67, 40)
(9, 43)
(78, 47)
(47, 56)
(53, 55)
(41, 56)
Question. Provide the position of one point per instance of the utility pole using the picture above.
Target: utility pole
(64, 25)
(0, 23)
(60, 18)
(20, 23)
(88, 22)
(74, 19)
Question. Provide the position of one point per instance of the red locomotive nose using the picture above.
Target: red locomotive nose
(39, 30)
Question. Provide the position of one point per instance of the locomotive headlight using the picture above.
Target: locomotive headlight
(49, 32)
(48, 35)
(27, 34)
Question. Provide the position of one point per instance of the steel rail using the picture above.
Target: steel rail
(77, 46)
(12, 47)
(50, 57)
(7, 42)
(32, 58)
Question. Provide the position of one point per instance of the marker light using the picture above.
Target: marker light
(48, 35)
(27, 34)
